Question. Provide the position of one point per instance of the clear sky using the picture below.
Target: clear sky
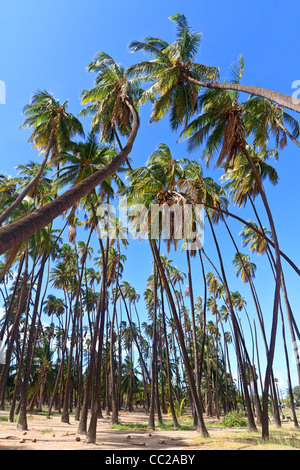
(47, 45)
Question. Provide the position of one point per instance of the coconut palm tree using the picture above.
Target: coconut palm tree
(243, 268)
(265, 119)
(52, 127)
(21, 230)
(250, 238)
(107, 100)
(185, 74)
(155, 188)
(168, 89)
(221, 126)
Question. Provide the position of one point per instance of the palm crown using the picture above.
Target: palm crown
(108, 100)
(167, 70)
(46, 116)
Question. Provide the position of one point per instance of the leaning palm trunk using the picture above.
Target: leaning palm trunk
(280, 98)
(296, 423)
(19, 231)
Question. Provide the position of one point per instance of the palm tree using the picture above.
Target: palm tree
(264, 118)
(107, 100)
(52, 128)
(147, 184)
(243, 268)
(186, 47)
(221, 125)
(250, 238)
(21, 230)
(168, 88)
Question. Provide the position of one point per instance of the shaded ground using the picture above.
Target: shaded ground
(51, 434)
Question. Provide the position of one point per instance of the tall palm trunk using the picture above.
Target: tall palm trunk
(92, 428)
(114, 415)
(278, 274)
(15, 328)
(290, 316)
(66, 403)
(22, 422)
(21, 361)
(14, 299)
(171, 402)
(154, 391)
(198, 405)
(290, 390)
(194, 332)
(251, 423)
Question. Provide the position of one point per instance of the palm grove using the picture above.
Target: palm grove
(96, 354)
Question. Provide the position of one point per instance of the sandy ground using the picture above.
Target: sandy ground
(51, 434)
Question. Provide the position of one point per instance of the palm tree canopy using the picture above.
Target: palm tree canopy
(108, 100)
(45, 114)
(168, 89)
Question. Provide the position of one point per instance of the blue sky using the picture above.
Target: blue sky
(47, 45)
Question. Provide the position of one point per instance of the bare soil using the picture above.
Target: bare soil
(51, 434)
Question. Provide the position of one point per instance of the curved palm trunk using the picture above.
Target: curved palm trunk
(280, 98)
(19, 231)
